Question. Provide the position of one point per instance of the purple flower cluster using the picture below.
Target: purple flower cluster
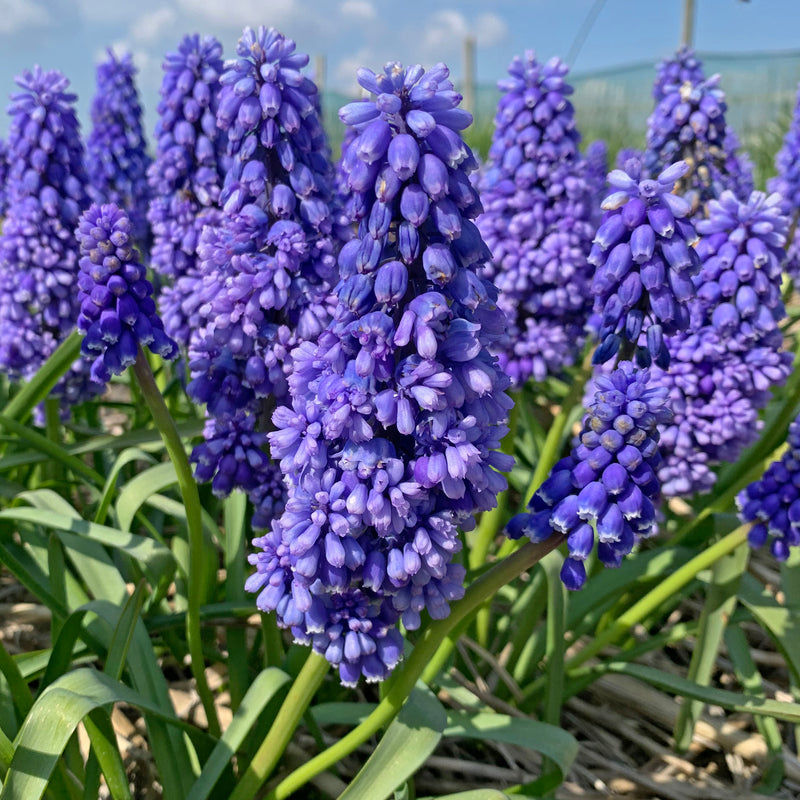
(688, 124)
(118, 313)
(186, 176)
(683, 67)
(787, 184)
(773, 502)
(608, 483)
(268, 266)
(644, 255)
(721, 372)
(397, 410)
(539, 195)
(116, 151)
(45, 191)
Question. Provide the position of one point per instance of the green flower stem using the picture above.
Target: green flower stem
(424, 651)
(280, 734)
(32, 393)
(191, 500)
(650, 602)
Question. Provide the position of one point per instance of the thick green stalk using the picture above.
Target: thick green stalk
(424, 651)
(651, 602)
(718, 606)
(280, 734)
(32, 393)
(194, 524)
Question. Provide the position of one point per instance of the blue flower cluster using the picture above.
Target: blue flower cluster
(269, 265)
(608, 484)
(644, 255)
(773, 502)
(539, 195)
(688, 123)
(118, 313)
(787, 184)
(397, 410)
(187, 173)
(45, 192)
(116, 150)
(722, 370)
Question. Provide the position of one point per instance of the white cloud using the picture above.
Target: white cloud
(490, 29)
(149, 27)
(16, 15)
(360, 9)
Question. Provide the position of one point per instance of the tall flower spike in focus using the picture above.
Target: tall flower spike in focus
(644, 255)
(269, 265)
(723, 369)
(688, 124)
(539, 194)
(187, 173)
(787, 183)
(608, 484)
(773, 502)
(46, 192)
(392, 440)
(118, 313)
(116, 150)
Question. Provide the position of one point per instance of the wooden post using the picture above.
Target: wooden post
(469, 74)
(687, 26)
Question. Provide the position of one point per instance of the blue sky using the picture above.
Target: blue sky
(71, 35)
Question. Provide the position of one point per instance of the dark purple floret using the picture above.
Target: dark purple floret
(608, 484)
(645, 258)
(538, 195)
(116, 150)
(722, 370)
(773, 502)
(397, 409)
(118, 313)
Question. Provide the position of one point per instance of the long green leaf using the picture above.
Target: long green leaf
(404, 748)
(558, 746)
(731, 700)
(136, 491)
(154, 558)
(127, 456)
(473, 794)
(52, 721)
(262, 690)
(104, 746)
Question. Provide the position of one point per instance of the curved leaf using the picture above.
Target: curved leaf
(136, 491)
(404, 748)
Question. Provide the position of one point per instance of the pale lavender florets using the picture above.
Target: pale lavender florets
(538, 194)
(722, 370)
(608, 484)
(398, 409)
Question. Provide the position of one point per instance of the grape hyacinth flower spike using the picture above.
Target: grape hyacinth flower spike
(397, 411)
(773, 502)
(118, 314)
(608, 483)
(644, 258)
(116, 150)
(539, 196)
